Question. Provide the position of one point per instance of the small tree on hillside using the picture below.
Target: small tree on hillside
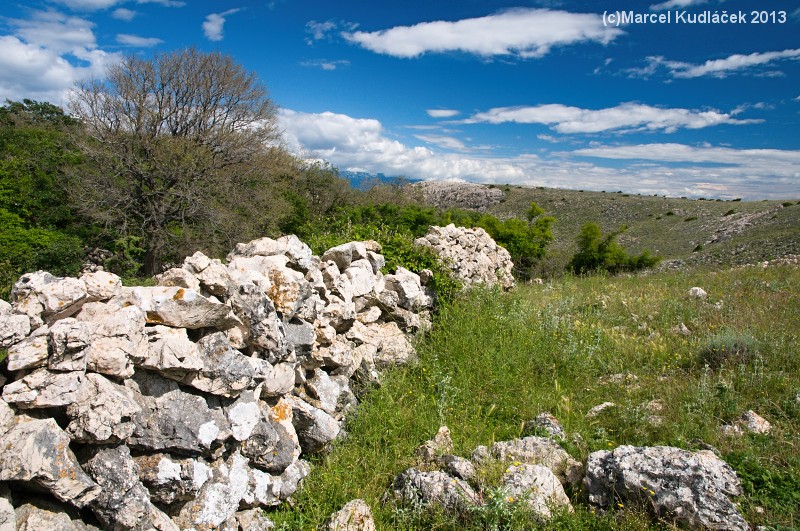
(171, 138)
(602, 253)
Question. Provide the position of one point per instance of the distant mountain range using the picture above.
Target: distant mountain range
(363, 180)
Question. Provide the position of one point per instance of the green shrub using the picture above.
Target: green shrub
(690, 218)
(670, 213)
(598, 253)
(730, 212)
(728, 347)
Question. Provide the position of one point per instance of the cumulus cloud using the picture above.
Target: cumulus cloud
(720, 68)
(137, 41)
(442, 113)
(360, 144)
(56, 31)
(124, 14)
(525, 33)
(623, 118)
(214, 24)
(676, 4)
(31, 71)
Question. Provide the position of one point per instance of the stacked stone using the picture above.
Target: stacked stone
(472, 255)
(191, 404)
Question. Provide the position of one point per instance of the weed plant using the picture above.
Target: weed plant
(495, 360)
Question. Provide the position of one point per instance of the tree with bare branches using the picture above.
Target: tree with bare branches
(171, 140)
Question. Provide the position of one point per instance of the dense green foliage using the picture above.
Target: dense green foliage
(598, 253)
(38, 226)
(494, 361)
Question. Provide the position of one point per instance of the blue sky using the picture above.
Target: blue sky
(537, 93)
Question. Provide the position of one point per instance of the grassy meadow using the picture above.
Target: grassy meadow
(496, 360)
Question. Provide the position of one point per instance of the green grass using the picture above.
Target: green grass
(496, 360)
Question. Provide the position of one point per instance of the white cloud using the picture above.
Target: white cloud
(670, 152)
(30, 71)
(720, 68)
(446, 142)
(673, 4)
(526, 33)
(56, 31)
(363, 145)
(623, 118)
(137, 41)
(442, 113)
(214, 23)
(124, 14)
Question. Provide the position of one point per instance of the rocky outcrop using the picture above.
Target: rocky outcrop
(689, 489)
(194, 401)
(451, 194)
(471, 254)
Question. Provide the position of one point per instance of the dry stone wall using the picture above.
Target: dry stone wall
(187, 404)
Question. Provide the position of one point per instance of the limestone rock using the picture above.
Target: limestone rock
(179, 277)
(407, 285)
(68, 341)
(101, 285)
(212, 275)
(547, 423)
(43, 388)
(538, 487)
(123, 503)
(8, 520)
(40, 514)
(171, 480)
(219, 498)
(354, 516)
(690, 489)
(540, 451)
(102, 412)
(458, 467)
(749, 422)
(30, 353)
(314, 427)
(171, 419)
(225, 372)
(38, 451)
(253, 520)
(119, 338)
(441, 444)
(13, 329)
(472, 255)
(263, 328)
(177, 307)
(427, 488)
(450, 194)
(345, 254)
(697, 293)
(171, 354)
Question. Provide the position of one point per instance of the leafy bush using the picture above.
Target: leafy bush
(730, 212)
(728, 346)
(29, 249)
(603, 254)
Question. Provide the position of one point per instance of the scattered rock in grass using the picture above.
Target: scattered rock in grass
(354, 516)
(749, 422)
(536, 486)
(681, 330)
(548, 423)
(441, 444)
(698, 293)
(691, 489)
(599, 408)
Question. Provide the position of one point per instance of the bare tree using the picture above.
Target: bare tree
(169, 138)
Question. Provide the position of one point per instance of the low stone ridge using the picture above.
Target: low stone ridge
(194, 401)
(472, 255)
(451, 194)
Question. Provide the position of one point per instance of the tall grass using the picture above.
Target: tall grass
(494, 361)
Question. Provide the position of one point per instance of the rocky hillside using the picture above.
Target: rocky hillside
(685, 232)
